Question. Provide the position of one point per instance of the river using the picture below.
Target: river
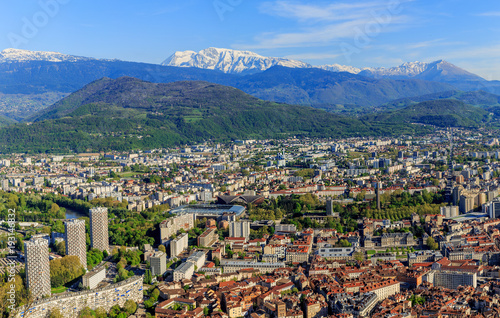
(72, 214)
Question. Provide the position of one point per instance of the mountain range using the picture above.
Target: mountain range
(130, 114)
(243, 62)
(31, 81)
(229, 61)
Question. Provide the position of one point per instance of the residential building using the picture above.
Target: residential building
(331, 252)
(75, 239)
(92, 279)
(449, 211)
(208, 237)
(239, 229)
(234, 266)
(99, 236)
(173, 225)
(198, 259)
(452, 279)
(184, 271)
(466, 203)
(178, 245)
(492, 208)
(158, 262)
(37, 267)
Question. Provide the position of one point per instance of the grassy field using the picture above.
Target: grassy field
(58, 290)
(129, 174)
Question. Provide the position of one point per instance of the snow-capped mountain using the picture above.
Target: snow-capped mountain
(17, 55)
(408, 69)
(340, 68)
(229, 61)
(242, 62)
(433, 71)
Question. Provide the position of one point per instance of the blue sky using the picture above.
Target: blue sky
(358, 33)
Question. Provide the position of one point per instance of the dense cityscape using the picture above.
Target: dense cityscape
(250, 159)
(360, 227)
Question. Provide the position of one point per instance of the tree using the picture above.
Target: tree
(161, 248)
(94, 257)
(20, 244)
(359, 256)
(60, 248)
(56, 313)
(147, 277)
(205, 311)
(64, 270)
(155, 294)
(216, 261)
(85, 313)
(130, 307)
(101, 313)
(114, 311)
(431, 243)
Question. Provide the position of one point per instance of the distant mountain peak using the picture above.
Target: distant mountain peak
(19, 55)
(229, 61)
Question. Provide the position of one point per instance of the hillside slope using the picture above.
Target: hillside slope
(440, 113)
(128, 113)
(320, 88)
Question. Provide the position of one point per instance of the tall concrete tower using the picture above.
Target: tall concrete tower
(99, 228)
(76, 240)
(329, 207)
(37, 266)
(378, 187)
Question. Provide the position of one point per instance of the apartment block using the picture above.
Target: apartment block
(184, 271)
(239, 229)
(449, 211)
(37, 267)
(92, 279)
(178, 245)
(173, 225)
(337, 253)
(76, 240)
(197, 258)
(452, 279)
(207, 238)
(157, 261)
(99, 236)
(492, 208)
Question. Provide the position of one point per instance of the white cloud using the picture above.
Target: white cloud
(424, 44)
(323, 24)
(315, 12)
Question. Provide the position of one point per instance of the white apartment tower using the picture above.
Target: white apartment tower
(37, 266)
(99, 228)
(76, 240)
(239, 229)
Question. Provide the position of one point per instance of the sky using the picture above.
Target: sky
(365, 33)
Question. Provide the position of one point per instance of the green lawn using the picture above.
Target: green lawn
(371, 252)
(58, 290)
(129, 174)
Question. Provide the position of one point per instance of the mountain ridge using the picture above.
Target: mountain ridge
(229, 61)
(440, 113)
(18, 55)
(128, 113)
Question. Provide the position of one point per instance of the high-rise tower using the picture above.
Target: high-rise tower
(37, 266)
(76, 240)
(99, 228)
